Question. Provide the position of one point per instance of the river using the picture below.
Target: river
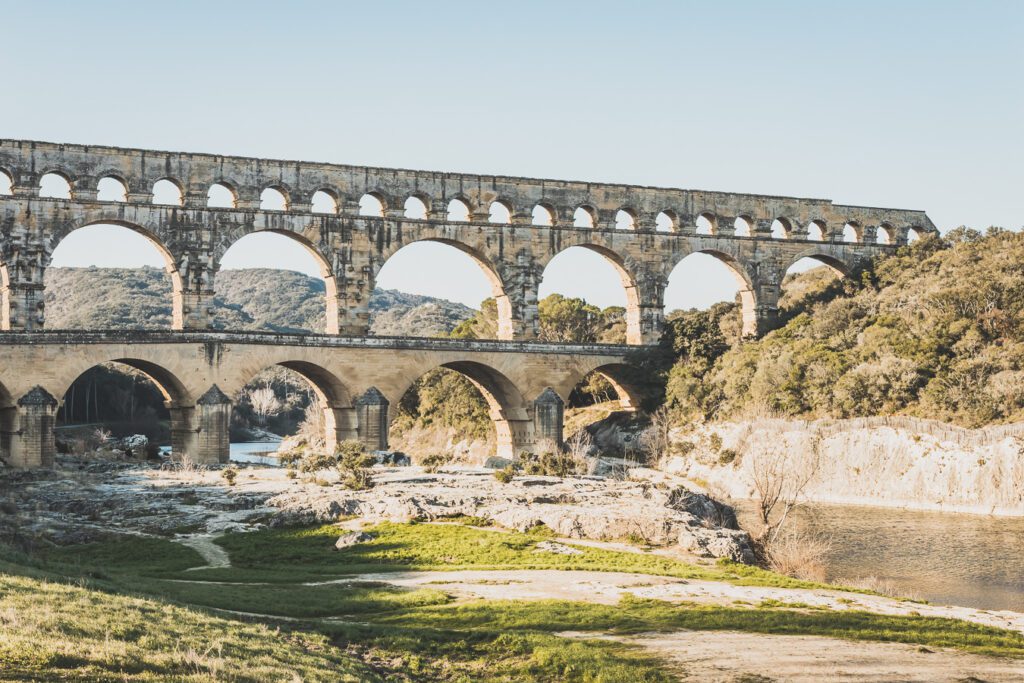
(945, 558)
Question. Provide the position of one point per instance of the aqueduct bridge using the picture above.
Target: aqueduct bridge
(643, 231)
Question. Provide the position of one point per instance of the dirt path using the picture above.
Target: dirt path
(609, 587)
(712, 656)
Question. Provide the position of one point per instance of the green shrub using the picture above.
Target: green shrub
(505, 475)
(434, 462)
(354, 465)
(726, 456)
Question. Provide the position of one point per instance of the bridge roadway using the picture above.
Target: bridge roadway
(357, 380)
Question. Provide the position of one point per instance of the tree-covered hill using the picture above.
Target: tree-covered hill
(250, 299)
(936, 330)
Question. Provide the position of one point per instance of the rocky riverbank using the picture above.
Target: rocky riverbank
(82, 501)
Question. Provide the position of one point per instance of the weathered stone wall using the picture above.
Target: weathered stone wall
(352, 248)
(357, 379)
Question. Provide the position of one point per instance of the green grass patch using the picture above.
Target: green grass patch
(288, 555)
(296, 601)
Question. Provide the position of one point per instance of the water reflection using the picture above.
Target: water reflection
(955, 559)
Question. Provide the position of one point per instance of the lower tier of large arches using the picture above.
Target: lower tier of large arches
(201, 377)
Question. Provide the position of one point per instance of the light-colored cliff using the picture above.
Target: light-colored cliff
(897, 462)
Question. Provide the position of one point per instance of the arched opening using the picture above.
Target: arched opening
(883, 236)
(704, 280)
(601, 399)
(464, 410)
(706, 224)
(293, 407)
(743, 226)
(272, 199)
(816, 231)
(415, 208)
(584, 217)
(323, 201)
(104, 409)
(167, 192)
(625, 219)
(808, 279)
(458, 211)
(851, 232)
(221, 196)
(603, 307)
(543, 215)
(500, 212)
(371, 205)
(913, 235)
(434, 288)
(781, 229)
(105, 276)
(277, 282)
(8, 412)
(54, 186)
(666, 221)
(111, 189)
(6, 184)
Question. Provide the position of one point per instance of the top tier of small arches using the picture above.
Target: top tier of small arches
(196, 180)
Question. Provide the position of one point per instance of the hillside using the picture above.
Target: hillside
(251, 299)
(936, 330)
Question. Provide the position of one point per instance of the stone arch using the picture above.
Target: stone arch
(454, 209)
(706, 223)
(6, 182)
(333, 396)
(817, 230)
(837, 264)
(585, 216)
(544, 213)
(272, 194)
(500, 211)
(416, 202)
(121, 190)
(101, 218)
(621, 377)
(666, 220)
(491, 273)
(368, 204)
(57, 173)
(168, 182)
(507, 406)
(325, 265)
(627, 218)
(782, 228)
(328, 194)
(625, 268)
(212, 192)
(744, 281)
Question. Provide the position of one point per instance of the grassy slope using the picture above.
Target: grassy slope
(90, 626)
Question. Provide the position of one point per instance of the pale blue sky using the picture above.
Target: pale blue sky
(907, 104)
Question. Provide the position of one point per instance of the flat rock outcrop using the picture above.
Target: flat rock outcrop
(574, 507)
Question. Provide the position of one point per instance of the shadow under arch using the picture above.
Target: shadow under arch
(333, 396)
(634, 333)
(327, 270)
(745, 286)
(622, 377)
(507, 408)
(8, 412)
(177, 399)
(837, 265)
(506, 324)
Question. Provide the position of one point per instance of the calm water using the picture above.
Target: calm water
(969, 560)
(254, 452)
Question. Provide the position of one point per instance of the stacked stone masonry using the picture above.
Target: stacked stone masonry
(352, 248)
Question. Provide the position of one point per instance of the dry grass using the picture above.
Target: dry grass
(800, 554)
(876, 584)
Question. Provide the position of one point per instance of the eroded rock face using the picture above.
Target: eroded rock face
(576, 507)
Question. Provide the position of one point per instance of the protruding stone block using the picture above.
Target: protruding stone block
(32, 443)
(372, 416)
(212, 417)
(548, 413)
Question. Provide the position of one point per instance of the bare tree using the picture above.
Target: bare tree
(656, 440)
(781, 479)
(578, 447)
(264, 403)
(312, 427)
